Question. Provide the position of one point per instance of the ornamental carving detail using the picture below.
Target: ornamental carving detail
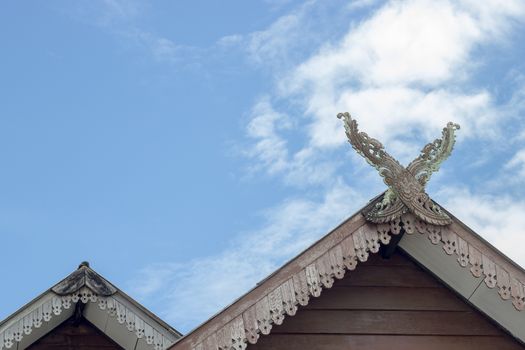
(406, 186)
(283, 301)
(84, 286)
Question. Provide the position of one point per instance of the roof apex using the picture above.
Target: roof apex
(84, 276)
(351, 243)
(108, 308)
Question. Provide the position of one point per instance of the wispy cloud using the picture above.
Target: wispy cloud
(186, 293)
(405, 69)
(517, 163)
(104, 13)
(161, 49)
(498, 218)
(296, 35)
(270, 147)
(121, 19)
(268, 46)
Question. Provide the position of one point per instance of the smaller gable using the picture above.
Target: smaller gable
(84, 294)
(75, 335)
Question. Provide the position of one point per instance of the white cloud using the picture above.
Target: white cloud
(402, 71)
(122, 9)
(419, 41)
(270, 148)
(104, 13)
(497, 17)
(390, 113)
(230, 40)
(295, 34)
(153, 279)
(269, 46)
(360, 4)
(499, 219)
(119, 18)
(189, 293)
(160, 48)
(404, 66)
(404, 42)
(517, 163)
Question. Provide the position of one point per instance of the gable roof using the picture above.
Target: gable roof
(84, 293)
(463, 260)
(75, 333)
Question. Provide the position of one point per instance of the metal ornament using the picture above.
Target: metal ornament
(406, 186)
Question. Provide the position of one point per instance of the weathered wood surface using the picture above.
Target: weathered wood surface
(388, 322)
(395, 276)
(67, 336)
(397, 298)
(387, 304)
(382, 342)
(207, 331)
(319, 266)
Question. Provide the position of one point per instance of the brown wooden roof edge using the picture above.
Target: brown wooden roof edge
(493, 251)
(316, 267)
(265, 286)
(84, 285)
(462, 227)
(150, 314)
(370, 202)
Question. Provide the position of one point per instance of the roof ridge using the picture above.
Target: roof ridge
(84, 276)
(315, 269)
(85, 286)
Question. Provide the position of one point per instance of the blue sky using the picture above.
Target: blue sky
(187, 149)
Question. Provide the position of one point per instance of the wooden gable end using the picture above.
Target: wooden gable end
(80, 335)
(387, 304)
(120, 322)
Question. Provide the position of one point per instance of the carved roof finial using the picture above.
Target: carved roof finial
(84, 276)
(406, 186)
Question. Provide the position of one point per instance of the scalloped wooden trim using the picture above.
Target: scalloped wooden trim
(347, 248)
(479, 264)
(298, 290)
(53, 305)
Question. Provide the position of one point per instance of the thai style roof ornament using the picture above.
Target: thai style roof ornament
(406, 186)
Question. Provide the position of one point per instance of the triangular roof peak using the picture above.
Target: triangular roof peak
(86, 294)
(84, 277)
(459, 257)
(405, 217)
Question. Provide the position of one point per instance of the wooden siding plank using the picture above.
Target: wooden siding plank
(390, 276)
(388, 306)
(295, 266)
(395, 259)
(82, 336)
(378, 342)
(392, 298)
(388, 322)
